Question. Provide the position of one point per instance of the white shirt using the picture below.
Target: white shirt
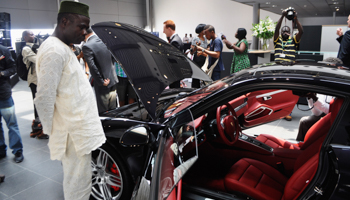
(321, 105)
(65, 101)
(29, 58)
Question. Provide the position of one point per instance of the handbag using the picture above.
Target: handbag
(209, 71)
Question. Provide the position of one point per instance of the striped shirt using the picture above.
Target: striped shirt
(285, 47)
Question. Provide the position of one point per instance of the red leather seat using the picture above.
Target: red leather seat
(318, 130)
(263, 182)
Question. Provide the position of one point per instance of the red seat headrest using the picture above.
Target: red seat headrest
(334, 107)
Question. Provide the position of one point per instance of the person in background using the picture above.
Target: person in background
(285, 44)
(344, 49)
(29, 58)
(319, 105)
(174, 39)
(102, 69)
(80, 56)
(185, 39)
(190, 38)
(214, 52)
(126, 93)
(198, 57)
(65, 102)
(7, 107)
(240, 57)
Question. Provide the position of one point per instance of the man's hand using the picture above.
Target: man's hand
(339, 32)
(2, 57)
(284, 13)
(312, 95)
(106, 82)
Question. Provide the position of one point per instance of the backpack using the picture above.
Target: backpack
(22, 70)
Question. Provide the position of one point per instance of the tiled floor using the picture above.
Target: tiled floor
(39, 178)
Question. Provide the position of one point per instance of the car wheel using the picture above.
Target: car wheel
(110, 177)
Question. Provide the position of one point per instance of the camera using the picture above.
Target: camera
(290, 13)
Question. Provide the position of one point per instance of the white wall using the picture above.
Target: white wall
(311, 21)
(329, 36)
(226, 16)
(42, 14)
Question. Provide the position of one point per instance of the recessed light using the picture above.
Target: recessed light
(337, 9)
(268, 2)
(305, 6)
(335, 2)
(274, 6)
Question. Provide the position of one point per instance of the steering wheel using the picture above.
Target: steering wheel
(228, 126)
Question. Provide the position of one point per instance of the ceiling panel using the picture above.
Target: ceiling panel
(305, 8)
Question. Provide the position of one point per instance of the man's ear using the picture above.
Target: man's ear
(64, 21)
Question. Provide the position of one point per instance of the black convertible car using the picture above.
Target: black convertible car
(185, 144)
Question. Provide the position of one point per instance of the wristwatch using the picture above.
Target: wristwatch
(203, 50)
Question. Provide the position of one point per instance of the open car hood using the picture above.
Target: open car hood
(150, 63)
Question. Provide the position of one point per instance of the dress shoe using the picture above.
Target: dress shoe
(18, 157)
(288, 118)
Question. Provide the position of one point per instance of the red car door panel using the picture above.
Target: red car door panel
(268, 105)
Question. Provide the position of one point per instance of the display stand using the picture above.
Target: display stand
(264, 56)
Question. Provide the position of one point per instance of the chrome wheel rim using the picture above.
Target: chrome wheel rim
(107, 182)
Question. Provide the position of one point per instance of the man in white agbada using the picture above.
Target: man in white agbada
(65, 101)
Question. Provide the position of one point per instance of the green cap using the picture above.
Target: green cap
(74, 7)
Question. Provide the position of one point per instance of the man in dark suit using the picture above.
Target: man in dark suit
(99, 60)
(344, 49)
(173, 39)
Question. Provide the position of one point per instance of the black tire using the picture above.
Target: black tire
(110, 177)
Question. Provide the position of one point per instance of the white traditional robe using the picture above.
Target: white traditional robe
(65, 101)
(68, 112)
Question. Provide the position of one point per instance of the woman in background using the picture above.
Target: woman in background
(240, 58)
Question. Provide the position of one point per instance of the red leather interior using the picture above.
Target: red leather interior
(319, 129)
(287, 153)
(334, 107)
(263, 182)
(255, 178)
(275, 142)
(301, 178)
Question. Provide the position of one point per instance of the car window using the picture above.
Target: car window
(179, 153)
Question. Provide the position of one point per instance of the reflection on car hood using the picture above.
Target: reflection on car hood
(150, 63)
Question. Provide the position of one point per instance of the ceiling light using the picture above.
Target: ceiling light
(335, 2)
(337, 9)
(274, 6)
(268, 2)
(305, 6)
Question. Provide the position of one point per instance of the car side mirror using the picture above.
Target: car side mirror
(135, 136)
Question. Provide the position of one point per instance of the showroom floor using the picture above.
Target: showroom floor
(39, 178)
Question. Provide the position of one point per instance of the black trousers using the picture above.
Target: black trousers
(33, 89)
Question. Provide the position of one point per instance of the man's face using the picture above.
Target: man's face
(348, 21)
(167, 31)
(29, 37)
(75, 31)
(208, 34)
(285, 32)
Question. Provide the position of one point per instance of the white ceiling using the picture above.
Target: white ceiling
(304, 8)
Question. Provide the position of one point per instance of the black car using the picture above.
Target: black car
(193, 144)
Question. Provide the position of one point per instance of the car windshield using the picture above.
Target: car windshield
(187, 101)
